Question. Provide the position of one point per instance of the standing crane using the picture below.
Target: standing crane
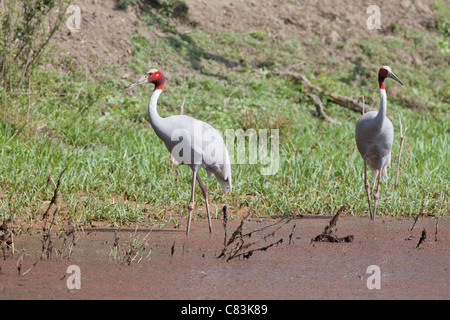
(374, 135)
(202, 146)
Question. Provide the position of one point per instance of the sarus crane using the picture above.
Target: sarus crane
(374, 135)
(190, 141)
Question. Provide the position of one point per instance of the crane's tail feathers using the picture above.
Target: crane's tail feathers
(225, 184)
(374, 174)
(384, 174)
(223, 179)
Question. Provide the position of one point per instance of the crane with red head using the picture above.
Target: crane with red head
(190, 141)
(374, 135)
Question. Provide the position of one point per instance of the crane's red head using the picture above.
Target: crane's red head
(152, 76)
(386, 72)
(156, 77)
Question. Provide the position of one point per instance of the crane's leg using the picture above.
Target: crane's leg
(374, 181)
(367, 186)
(191, 203)
(205, 195)
(377, 196)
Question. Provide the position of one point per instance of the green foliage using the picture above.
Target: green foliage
(258, 35)
(165, 14)
(164, 9)
(24, 35)
(172, 8)
(445, 46)
(441, 10)
(120, 172)
(123, 4)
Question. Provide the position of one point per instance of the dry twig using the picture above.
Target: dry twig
(422, 238)
(420, 212)
(55, 194)
(402, 139)
(320, 109)
(328, 233)
(47, 245)
(237, 246)
(6, 239)
(436, 231)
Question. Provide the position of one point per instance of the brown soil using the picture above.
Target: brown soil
(103, 38)
(301, 270)
(306, 18)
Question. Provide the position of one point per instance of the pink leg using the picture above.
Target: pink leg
(191, 203)
(205, 195)
(377, 195)
(367, 186)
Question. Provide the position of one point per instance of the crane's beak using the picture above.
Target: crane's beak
(393, 76)
(142, 80)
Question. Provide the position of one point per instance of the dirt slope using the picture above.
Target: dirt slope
(306, 18)
(105, 28)
(103, 37)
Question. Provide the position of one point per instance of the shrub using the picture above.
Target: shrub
(26, 28)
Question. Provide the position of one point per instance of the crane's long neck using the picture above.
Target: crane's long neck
(155, 119)
(383, 102)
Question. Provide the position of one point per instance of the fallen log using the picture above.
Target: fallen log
(333, 97)
(349, 103)
(320, 109)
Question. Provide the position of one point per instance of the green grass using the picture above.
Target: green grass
(119, 171)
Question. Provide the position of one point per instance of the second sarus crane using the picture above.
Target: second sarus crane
(374, 135)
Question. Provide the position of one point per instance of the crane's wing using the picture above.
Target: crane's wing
(222, 171)
(375, 142)
(198, 144)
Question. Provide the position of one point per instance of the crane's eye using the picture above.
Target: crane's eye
(150, 74)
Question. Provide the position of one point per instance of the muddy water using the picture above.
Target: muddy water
(300, 270)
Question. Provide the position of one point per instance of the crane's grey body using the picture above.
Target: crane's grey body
(196, 135)
(374, 135)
